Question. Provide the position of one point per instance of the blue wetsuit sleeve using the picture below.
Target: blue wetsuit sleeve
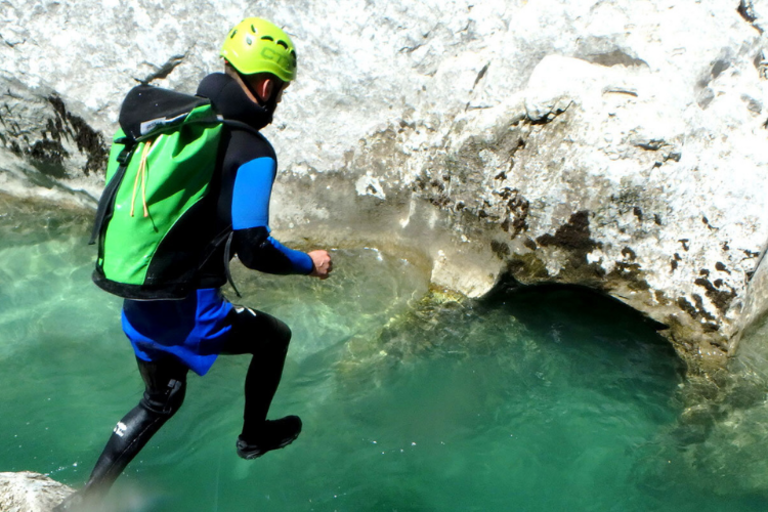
(250, 223)
(250, 196)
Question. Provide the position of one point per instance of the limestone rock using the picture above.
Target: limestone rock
(616, 145)
(30, 492)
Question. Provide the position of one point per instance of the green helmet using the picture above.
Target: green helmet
(257, 46)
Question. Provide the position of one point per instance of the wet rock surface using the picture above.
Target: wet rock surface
(617, 146)
(30, 492)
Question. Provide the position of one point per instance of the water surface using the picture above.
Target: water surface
(538, 401)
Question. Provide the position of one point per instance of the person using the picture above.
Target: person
(170, 337)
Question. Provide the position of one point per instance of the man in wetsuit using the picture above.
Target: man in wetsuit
(170, 337)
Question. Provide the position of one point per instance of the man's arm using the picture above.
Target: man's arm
(250, 222)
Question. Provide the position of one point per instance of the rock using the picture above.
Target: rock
(30, 492)
(617, 146)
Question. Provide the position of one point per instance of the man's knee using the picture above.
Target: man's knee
(268, 332)
(165, 402)
(282, 333)
(166, 386)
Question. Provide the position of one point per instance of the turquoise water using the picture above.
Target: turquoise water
(547, 400)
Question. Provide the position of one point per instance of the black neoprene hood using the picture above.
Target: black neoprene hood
(230, 101)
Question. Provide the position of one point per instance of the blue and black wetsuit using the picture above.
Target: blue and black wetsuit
(170, 337)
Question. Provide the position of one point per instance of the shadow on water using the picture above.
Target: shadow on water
(715, 449)
(575, 319)
(577, 303)
(546, 349)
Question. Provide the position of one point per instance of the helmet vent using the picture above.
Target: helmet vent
(249, 40)
(267, 38)
(253, 29)
(283, 44)
(234, 32)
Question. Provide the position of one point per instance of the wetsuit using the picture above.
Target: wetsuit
(170, 337)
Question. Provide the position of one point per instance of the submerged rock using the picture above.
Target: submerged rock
(616, 146)
(30, 492)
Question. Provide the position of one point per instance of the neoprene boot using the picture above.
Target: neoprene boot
(273, 435)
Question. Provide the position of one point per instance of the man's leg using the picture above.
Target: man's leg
(165, 383)
(267, 338)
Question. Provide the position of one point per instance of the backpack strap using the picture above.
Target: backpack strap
(237, 124)
(228, 246)
(225, 237)
(227, 254)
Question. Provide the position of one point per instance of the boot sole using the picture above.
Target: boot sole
(258, 452)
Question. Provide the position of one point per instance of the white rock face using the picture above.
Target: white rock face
(618, 145)
(30, 492)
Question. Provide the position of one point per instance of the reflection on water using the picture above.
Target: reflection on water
(412, 399)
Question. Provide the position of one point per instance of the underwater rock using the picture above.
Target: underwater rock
(30, 492)
(616, 146)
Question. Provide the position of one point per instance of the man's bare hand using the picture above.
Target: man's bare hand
(321, 263)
